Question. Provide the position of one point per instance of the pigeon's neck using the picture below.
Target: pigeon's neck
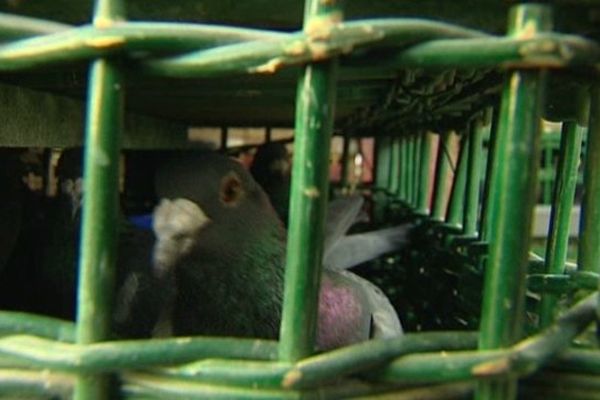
(240, 291)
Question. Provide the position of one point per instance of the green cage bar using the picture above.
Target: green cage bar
(490, 167)
(589, 231)
(440, 185)
(383, 161)
(473, 184)
(560, 217)
(100, 205)
(405, 173)
(421, 138)
(412, 171)
(383, 164)
(422, 200)
(416, 178)
(394, 183)
(547, 168)
(454, 213)
(314, 121)
(511, 201)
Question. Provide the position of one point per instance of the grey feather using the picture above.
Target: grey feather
(352, 250)
(342, 213)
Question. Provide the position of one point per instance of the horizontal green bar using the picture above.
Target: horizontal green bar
(559, 283)
(28, 384)
(15, 323)
(363, 357)
(149, 386)
(268, 51)
(309, 373)
(257, 374)
(269, 57)
(88, 42)
(460, 390)
(110, 356)
(544, 50)
(523, 358)
(298, 48)
(17, 27)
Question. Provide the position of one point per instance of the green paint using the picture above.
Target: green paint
(424, 177)
(314, 119)
(454, 214)
(98, 248)
(560, 217)
(589, 231)
(473, 183)
(442, 168)
(511, 201)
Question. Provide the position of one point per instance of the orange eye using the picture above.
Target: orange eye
(231, 190)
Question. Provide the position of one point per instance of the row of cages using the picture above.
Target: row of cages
(402, 259)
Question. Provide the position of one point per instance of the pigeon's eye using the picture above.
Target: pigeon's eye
(231, 190)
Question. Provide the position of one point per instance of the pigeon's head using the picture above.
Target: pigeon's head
(271, 160)
(209, 204)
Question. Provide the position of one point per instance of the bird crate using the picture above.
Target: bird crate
(485, 317)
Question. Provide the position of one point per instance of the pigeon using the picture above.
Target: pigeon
(220, 255)
(57, 275)
(59, 247)
(11, 207)
(271, 168)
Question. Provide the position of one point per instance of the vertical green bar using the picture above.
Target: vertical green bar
(511, 201)
(416, 169)
(100, 205)
(547, 168)
(560, 216)
(408, 163)
(404, 168)
(383, 163)
(442, 167)
(424, 177)
(314, 118)
(383, 154)
(394, 184)
(490, 166)
(454, 214)
(473, 184)
(589, 231)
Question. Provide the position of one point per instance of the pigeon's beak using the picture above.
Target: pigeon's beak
(176, 225)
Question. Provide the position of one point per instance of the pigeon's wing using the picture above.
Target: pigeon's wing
(342, 213)
(352, 310)
(352, 250)
(344, 312)
(385, 321)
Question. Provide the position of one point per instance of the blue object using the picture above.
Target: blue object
(143, 221)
